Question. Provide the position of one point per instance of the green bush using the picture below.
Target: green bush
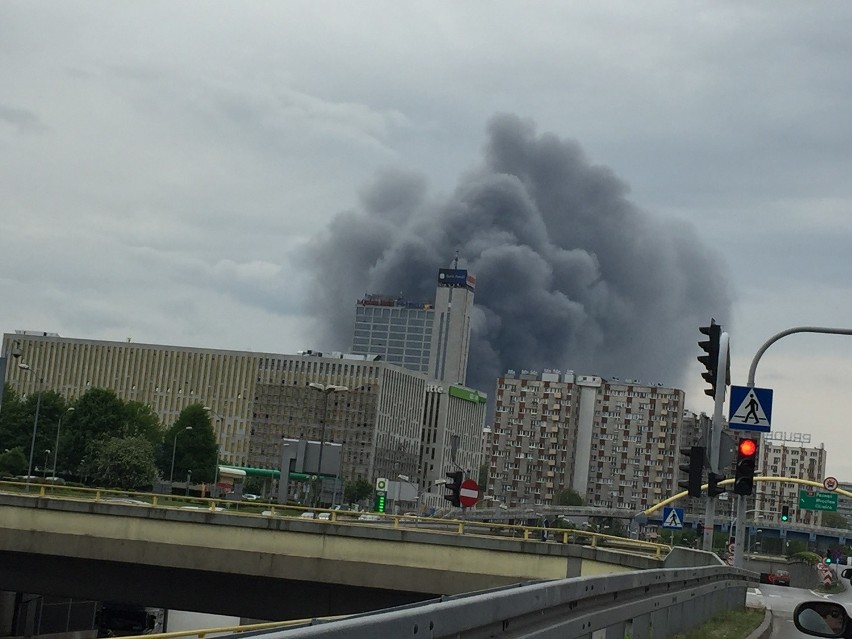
(810, 558)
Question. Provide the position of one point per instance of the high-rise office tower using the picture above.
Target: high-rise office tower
(432, 338)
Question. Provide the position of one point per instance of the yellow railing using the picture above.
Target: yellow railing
(201, 633)
(324, 516)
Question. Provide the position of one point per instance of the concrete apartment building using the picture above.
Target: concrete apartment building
(790, 461)
(386, 422)
(613, 441)
(433, 338)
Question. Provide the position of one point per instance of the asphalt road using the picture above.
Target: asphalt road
(782, 600)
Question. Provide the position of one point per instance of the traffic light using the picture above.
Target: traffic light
(693, 470)
(785, 513)
(453, 495)
(713, 487)
(746, 463)
(711, 359)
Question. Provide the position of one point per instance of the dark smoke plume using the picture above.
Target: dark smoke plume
(570, 274)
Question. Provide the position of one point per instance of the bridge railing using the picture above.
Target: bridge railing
(647, 604)
(321, 516)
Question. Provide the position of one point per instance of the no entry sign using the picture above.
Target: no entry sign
(468, 493)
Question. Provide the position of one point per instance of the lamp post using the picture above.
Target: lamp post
(416, 488)
(218, 451)
(327, 389)
(56, 445)
(27, 367)
(44, 467)
(174, 450)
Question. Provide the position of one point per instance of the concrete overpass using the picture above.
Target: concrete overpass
(272, 567)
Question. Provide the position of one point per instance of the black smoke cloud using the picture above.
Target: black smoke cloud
(570, 274)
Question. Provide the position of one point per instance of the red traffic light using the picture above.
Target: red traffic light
(748, 447)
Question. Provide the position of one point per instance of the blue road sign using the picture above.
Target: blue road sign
(750, 409)
(672, 517)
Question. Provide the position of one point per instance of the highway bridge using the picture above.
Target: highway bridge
(273, 564)
(260, 564)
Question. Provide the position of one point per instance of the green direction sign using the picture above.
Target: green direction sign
(817, 501)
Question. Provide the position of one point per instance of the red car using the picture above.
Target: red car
(779, 578)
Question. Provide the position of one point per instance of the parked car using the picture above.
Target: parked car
(250, 497)
(368, 517)
(779, 578)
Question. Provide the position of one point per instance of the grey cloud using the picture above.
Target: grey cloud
(570, 274)
(22, 119)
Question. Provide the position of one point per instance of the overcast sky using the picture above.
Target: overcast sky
(185, 173)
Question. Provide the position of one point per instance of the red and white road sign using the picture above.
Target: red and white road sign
(468, 493)
(829, 483)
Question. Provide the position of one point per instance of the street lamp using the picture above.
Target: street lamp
(27, 367)
(218, 451)
(174, 450)
(328, 389)
(44, 468)
(56, 446)
(416, 488)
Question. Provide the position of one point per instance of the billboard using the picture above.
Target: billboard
(456, 278)
(467, 394)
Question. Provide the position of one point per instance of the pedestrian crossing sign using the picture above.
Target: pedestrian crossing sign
(750, 409)
(672, 517)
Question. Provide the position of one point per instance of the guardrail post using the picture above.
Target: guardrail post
(659, 624)
(640, 627)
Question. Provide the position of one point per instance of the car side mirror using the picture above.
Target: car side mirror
(821, 618)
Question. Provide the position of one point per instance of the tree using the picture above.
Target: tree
(98, 414)
(141, 420)
(123, 462)
(482, 478)
(194, 449)
(13, 462)
(569, 497)
(356, 491)
(834, 520)
(16, 427)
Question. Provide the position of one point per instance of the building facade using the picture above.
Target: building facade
(256, 399)
(453, 422)
(614, 442)
(797, 462)
(396, 330)
(432, 338)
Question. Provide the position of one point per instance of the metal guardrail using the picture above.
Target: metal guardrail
(324, 516)
(644, 604)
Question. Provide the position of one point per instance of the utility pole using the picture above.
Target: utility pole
(717, 375)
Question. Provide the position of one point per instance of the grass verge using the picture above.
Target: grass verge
(732, 624)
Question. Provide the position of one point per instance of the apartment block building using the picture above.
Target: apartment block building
(612, 441)
(256, 399)
(788, 461)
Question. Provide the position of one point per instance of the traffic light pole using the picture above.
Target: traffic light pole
(715, 438)
(739, 540)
